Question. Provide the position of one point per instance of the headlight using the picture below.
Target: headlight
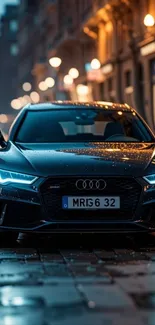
(7, 177)
(150, 179)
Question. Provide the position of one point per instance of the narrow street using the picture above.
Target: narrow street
(82, 280)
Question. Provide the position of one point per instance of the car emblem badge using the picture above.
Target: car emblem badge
(90, 184)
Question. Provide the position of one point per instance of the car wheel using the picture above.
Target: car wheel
(8, 237)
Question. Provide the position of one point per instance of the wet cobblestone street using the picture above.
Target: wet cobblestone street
(82, 280)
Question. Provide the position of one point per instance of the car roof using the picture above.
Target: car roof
(70, 105)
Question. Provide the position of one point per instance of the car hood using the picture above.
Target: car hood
(79, 159)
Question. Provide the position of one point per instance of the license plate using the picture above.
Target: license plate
(91, 202)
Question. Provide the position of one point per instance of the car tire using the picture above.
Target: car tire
(8, 237)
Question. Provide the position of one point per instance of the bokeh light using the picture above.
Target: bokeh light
(16, 104)
(50, 82)
(3, 118)
(35, 97)
(26, 99)
(27, 86)
(74, 73)
(43, 86)
(149, 20)
(55, 62)
(95, 64)
(68, 80)
(82, 89)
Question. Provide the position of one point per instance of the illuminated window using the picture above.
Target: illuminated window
(14, 49)
(13, 25)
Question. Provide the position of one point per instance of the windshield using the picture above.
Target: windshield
(82, 125)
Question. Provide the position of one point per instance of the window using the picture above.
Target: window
(109, 39)
(13, 25)
(128, 81)
(110, 84)
(14, 49)
(23, 36)
(81, 125)
(129, 98)
(102, 96)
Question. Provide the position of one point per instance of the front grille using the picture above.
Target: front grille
(52, 191)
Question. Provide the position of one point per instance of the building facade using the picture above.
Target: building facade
(8, 64)
(77, 31)
(28, 41)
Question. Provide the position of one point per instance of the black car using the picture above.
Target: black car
(77, 167)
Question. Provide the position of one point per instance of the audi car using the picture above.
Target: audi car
(77, 168)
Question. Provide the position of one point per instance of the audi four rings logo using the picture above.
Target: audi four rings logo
(87, 184)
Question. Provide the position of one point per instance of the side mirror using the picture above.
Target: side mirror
(3, 143)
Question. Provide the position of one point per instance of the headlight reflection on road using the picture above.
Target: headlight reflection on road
(22, 310)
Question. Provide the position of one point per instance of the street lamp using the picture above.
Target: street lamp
(55, 62)
(95, 64)
(74, 73)
(149, 20)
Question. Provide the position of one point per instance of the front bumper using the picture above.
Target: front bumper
(46, 227)
(22, 209)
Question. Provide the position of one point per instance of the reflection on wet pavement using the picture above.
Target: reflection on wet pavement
(86, 280)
